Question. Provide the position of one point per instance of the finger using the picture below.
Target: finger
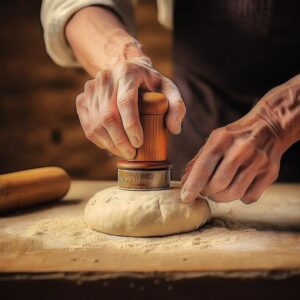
(189, 167)
(232, 161)
(201, 171)
(112, 123)
(236, 189)
(82, 111)
(89, 92)
(177, 109)
(103, 90)
(88, 85)
(258, 186)
(142, 74)
(99, 136)
(206, 164)
(127, 102)
(240, 183)
(151, 80)
(103, 140)
(109, 116)
(251, 195)
(187, 172)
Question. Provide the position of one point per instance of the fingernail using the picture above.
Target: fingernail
(186, 196)
(135, 141)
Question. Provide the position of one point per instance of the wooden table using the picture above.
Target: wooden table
(246, 251)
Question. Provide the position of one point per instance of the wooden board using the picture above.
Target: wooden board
(248, 239)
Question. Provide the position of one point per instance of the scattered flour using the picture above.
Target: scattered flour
(72, 233)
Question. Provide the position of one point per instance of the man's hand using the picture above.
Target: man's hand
(108, 107)
(237, 162)
(240, 160)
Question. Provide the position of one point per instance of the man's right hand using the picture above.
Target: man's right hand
(108, 107)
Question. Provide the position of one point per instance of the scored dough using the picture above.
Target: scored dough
(144, 213)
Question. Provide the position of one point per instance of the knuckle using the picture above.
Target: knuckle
(215, 134)
(90, 134)
(79, 101)
(221, 135)
(109, 119)
(87, 85)
(131, 125)
(130, 68)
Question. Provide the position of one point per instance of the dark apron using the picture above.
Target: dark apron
(227, 55)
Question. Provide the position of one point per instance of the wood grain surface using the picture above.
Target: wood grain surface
(255, 239)
(153, 108)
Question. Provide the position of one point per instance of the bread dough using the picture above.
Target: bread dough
(144, 213)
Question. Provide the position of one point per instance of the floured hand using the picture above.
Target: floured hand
(108, 107)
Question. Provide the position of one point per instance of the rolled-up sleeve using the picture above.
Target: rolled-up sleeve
(56, 13)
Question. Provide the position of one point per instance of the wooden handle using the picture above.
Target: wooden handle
(25, 188)
(153, 107)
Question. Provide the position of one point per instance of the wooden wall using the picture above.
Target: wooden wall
(38, 121)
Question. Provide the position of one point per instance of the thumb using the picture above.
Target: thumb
(177, 108)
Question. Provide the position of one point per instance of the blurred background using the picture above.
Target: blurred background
(38, 122)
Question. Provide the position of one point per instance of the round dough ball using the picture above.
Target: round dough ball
(144, 213)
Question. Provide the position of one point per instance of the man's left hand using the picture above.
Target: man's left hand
(238, 161)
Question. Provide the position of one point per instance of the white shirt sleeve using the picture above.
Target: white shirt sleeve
(56, 13)
(165, 12)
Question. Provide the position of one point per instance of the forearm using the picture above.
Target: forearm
(241, 159)
(280, 108)
(99, 40)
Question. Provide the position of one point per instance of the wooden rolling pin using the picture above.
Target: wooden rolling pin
(26, 188)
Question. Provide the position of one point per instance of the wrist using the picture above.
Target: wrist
(99, 40)
(120, 47)
(280, 109)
